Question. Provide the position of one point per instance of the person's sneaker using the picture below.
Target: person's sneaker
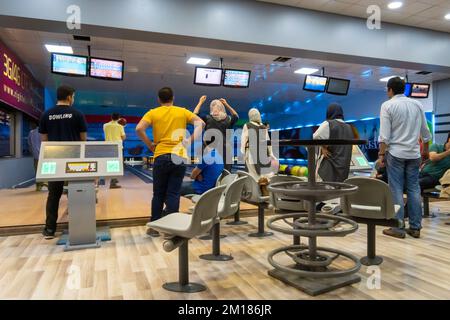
(413, 233)
(393, 232)
(48, 234)
(152, 233)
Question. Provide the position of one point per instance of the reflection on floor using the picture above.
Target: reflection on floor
(134, 266)
(27, 207)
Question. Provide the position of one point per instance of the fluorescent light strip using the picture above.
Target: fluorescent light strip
(306, 70)
(395, 5)
(198, 61)
(59, 49)
(386, 79)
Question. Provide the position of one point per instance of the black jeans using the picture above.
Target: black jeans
(167, 179)
(55, 191)
(427, 181)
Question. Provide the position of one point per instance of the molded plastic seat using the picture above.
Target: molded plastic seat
(184, 227)
(228, 205)
(225, 181)
(252, 194)
(372, 204)
(286, 203)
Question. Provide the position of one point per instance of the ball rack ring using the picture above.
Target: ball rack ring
(319, 191)
(315, 274)
(312, 232)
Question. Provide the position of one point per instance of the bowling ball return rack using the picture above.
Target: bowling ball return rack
(312, 268)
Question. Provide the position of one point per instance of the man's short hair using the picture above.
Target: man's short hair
(165, 95)
(115, 116)
(448, 137)
(397, 85)
(64, 92)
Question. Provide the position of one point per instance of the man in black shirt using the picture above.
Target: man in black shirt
(60, 123)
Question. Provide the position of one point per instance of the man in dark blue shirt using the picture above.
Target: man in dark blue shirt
(205, 174)
(60, 123)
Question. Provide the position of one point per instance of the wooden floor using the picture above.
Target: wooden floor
(25, 207)
(134, 266)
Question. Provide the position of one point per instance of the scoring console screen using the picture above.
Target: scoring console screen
(62, 152)
(81, 167)
(101, 151)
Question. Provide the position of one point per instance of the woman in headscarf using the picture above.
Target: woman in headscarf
(219, 120)
(259, 158)
(334, 162)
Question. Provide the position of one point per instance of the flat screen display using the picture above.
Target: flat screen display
(338, 86)
(62, 152)
(101, 151)
(6, 134)
(420, 90)
(70, 65)
(408, 88)
(106, 69)
(81, 167)
(208, 76)
(315, 83)
(236, 78)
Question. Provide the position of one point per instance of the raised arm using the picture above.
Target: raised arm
(230, 108)
(198, 124)
(201, 101)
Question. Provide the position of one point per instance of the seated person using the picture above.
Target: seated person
(438, 164)
(381, 172)
(205, 174)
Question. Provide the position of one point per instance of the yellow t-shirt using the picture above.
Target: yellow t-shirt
(113, 131)
(169, 129)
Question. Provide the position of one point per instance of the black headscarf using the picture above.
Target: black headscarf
(334, 111)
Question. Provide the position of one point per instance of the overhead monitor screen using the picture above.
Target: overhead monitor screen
(81, 167)
(92, 151)
(420, 90)
(408, 88)
(70, 65)
(315, 83)
(62, 152)
(236, 78)
(338, 86)
(106, 69)
(208, 76)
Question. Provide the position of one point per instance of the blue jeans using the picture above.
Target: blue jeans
(167, 179)
(404, 175)
(187, 187)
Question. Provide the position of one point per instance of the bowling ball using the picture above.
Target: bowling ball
(122, 121)
(295, 170)
(288, 170)
(283, 168)
(303, 172)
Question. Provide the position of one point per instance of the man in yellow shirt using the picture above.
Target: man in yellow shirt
(114, 132)
(169, 147)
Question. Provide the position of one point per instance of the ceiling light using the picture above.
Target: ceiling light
(59, 49)
(395, 5)
(306, 70)
(386, 79)
(447, 16)
(199, 61)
